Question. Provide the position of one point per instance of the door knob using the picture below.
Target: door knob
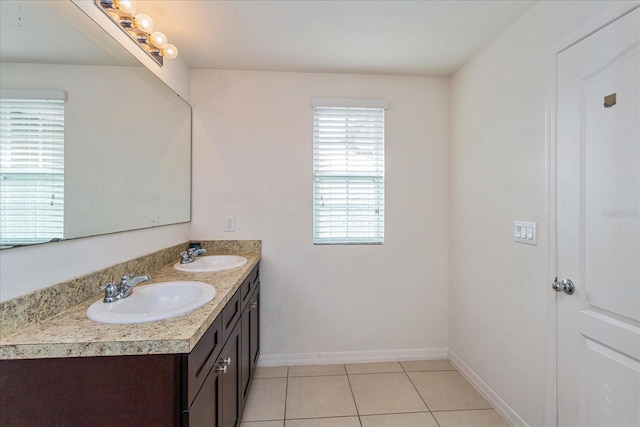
(564, 285)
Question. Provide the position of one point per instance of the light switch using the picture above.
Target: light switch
(526, 232)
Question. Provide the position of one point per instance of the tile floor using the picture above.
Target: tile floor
(428, 393)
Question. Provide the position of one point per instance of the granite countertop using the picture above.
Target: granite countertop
(72, 334)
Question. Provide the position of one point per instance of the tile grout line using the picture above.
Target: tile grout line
(328, 417)
(286, 391)
(404, 370)
(313, 376)
(446, 410)
(466, 410)
(353, 396)
(419, 394)
(268, 378)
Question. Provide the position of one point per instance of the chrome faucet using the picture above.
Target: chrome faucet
(190, 256)
(128, 283)
(114, 292)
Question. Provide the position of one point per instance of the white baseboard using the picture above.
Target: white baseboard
(487, 392)
(292, 359)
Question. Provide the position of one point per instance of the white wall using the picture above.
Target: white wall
(499, 289)
(253, 159)
(26, 269)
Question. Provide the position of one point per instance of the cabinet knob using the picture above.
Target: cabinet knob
(222, 369)
(227, 361)
(253, 304)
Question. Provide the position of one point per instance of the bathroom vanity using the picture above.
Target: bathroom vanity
(193, 370)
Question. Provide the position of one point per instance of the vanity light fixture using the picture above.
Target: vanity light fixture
(139, 27)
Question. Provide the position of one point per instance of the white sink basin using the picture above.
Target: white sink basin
(153, 302)
(211, 263)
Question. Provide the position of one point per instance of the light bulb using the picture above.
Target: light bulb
(144, 22)
(127, 6)
(159, 39)
(170, 51)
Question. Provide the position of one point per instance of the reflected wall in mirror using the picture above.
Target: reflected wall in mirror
(123, 161)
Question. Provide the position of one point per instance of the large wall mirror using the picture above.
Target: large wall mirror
(92, 141)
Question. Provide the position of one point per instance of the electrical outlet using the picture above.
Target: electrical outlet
(229, 223)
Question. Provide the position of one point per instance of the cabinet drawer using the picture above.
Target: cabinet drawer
(249, 286)
(197, 364)
(231, 314)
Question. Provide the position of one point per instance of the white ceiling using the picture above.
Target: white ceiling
(359, 36)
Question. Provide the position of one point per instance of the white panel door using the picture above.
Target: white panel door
(598, 227)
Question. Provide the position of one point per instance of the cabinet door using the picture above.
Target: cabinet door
(250, 337)
(254, 329)
(230, 383)
(231, 315)
(206, 408)
(245, 363)
(197, 364)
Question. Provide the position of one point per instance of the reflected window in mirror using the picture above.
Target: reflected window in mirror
(31, 166)
(127, 137)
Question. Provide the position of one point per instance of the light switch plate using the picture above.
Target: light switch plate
(526, 232)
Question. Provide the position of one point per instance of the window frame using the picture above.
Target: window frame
(359, 184)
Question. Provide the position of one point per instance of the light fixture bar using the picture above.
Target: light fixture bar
(139, 27)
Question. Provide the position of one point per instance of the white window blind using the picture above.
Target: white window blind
(348, 164)
(31, 166)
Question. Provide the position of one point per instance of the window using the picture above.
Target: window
(31, 166)
(348, 169)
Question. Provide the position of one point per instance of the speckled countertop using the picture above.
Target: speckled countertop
(72, 334)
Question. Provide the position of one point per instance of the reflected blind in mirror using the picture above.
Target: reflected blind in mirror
(31, 166)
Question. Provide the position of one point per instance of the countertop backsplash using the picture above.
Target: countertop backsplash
(29, 309)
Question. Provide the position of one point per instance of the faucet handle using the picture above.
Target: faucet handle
(111, 291)
(107, 286)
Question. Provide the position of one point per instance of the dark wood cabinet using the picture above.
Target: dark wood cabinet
(231, 313)
(196, 365)
(250, 342)
(254, 329)
(205, 388)
(202, 380)
(91, 391)
(231, 408)
(220, 397)
(206, 409)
